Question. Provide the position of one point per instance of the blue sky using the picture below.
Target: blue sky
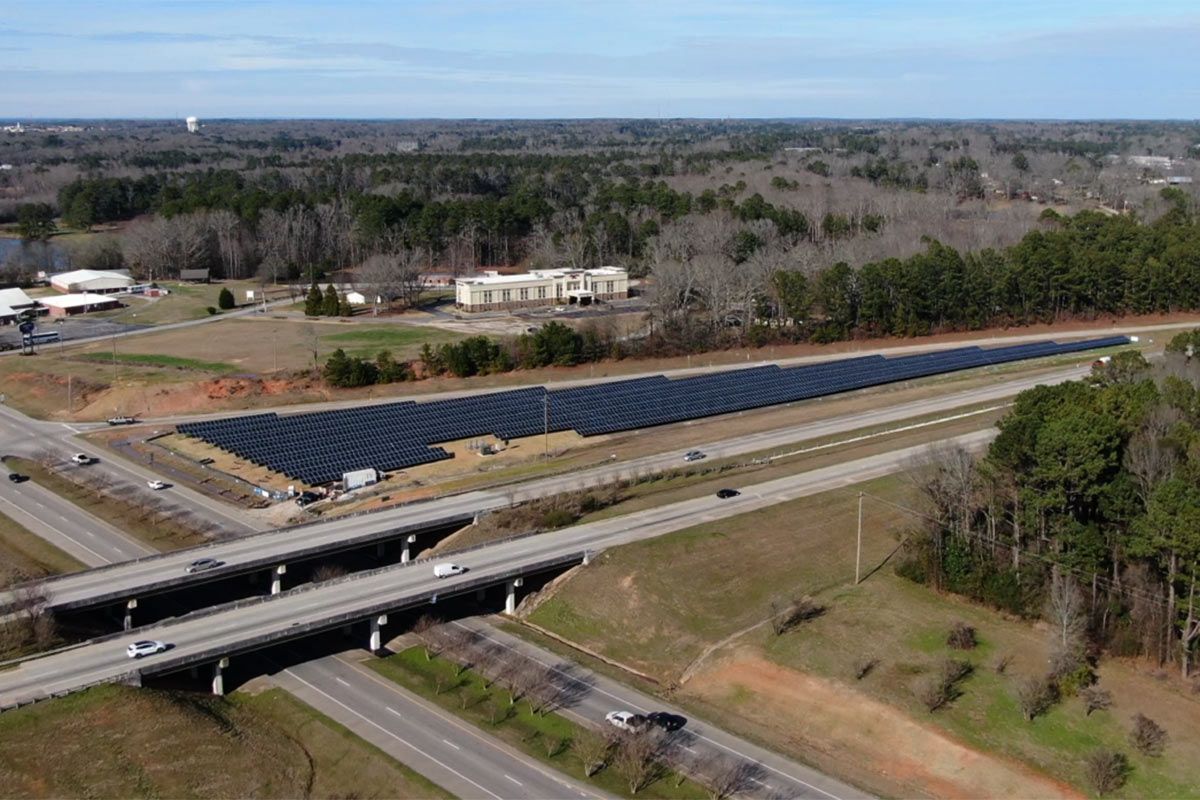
(602, 58)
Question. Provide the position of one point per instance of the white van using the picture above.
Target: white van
(447, 569)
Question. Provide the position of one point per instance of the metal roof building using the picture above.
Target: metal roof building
(70, 304)
(92, 280)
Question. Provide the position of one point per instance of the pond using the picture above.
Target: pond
(34, 255)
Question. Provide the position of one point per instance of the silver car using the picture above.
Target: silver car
(147, 647)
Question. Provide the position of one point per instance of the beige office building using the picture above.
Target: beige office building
(548, 287)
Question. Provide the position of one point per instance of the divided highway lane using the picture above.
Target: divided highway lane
(453, 754)
(253, 552)
(67, 526)
(24, 436)
(777, 775)
(237, 629)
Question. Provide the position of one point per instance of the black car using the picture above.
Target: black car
(304, 498)
(17, 477)
(725, 494)
(667, 721)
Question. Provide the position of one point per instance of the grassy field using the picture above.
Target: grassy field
(118, 742)
(733, 569)
(151, 528)
(529, 732)
(155, 360)
(31, 554)
(696, 601)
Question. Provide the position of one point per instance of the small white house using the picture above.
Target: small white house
(355, 298)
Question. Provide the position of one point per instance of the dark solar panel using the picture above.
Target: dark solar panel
(318, 447)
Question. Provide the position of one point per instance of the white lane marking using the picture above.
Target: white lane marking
(372, 723)
(452, 744)
(394, 711)
(466, 728)
(81, 545)
(690, 750)
(514, 780)
(339, 680)
(636, 707)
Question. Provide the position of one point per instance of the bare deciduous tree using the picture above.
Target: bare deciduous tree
(593, 750)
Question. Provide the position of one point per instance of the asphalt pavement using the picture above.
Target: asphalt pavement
(768, 775)
(453, 754)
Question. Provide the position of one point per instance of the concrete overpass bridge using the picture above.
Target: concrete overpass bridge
(213, 635)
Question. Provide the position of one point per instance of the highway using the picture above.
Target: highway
(263, 550)
(453, 754)
(24, 436)
(67, 526)
(204, 636)
(706, 744)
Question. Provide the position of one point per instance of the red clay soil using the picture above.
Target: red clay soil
(868, 742)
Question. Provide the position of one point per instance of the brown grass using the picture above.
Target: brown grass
(119, 742)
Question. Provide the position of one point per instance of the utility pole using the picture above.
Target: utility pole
(858, 546)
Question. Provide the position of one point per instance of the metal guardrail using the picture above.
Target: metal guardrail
(167, 664)
(255, 563)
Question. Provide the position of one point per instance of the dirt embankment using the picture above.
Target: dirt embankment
(871, 743)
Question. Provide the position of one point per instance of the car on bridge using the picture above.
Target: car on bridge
(146, 647)
(157, 484)
(203, 565)
(447, 569)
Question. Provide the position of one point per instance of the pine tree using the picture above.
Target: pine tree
(331, 302)
(344, 307)
(312, 303)
(338, 368)
(225, 299)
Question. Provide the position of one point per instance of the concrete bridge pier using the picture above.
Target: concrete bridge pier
(277, 578)
(510, 595)
(376, 638)
(405, 552)
(218, 681)
(130, 605)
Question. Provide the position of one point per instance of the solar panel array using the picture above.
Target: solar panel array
(319, 447)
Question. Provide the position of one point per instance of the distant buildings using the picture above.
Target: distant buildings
(1150, 162)
(193, 125)
(194, 275)
(92, 280)
(70, 304)
(495, 292)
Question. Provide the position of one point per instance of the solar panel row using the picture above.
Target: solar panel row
(319, 447)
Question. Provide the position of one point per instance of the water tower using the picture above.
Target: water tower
(193, 125)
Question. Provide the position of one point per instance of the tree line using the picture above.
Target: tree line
(1087, 505)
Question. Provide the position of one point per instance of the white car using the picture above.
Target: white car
(693, 455)
(156, 485)
(81, 458)
(147, 647)
(447, 569)
(626, 720)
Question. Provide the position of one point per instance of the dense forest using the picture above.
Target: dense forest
(745, 232)
(1086, 508)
